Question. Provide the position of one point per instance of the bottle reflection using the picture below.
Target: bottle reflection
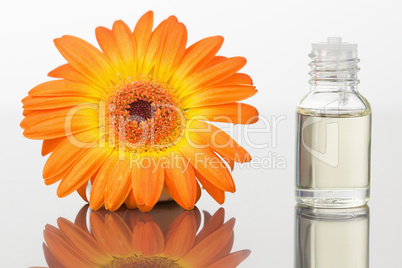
(168, 236)
(332, 238)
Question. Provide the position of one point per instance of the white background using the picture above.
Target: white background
(275, 37)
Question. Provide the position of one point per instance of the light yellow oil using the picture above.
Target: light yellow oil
(333, 159)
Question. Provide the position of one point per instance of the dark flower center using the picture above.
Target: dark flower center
(140, 110)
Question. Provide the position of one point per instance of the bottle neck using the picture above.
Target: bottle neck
(332, 73)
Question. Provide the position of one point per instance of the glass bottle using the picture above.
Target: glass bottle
(332, 238)
(334, 131)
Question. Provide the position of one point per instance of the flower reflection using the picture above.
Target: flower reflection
(166, 237)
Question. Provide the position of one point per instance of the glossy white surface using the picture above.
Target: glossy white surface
(275, 37)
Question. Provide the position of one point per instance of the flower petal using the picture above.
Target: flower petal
(148, 238)
(232, 260)
(195, 58)
(118, 235)
(68, 72)
(180, 235)
(180, 176)
(49, 145)
(173, 52)
(130, 201)
(66, 153)
(97, 197)
(125, 46)
(219, 95)
(208, 248)
(220, 142)
(157, 43)
(82, 170)
(207, 164)
(213, 191)
(118, 185)
(64, 88)
(82, 241)
(86, 59)
(234, 113)
(142, 35)
(46, 103)
(64, 252)
(238, 79)
(212, 75)
(147, 183)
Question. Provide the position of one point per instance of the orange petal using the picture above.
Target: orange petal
(147, 183)
(107, 43)
(219, 95)
(82, 191)
(66, 153)
(220, 142)
(125, 46)
(207, 249)
(208, 165)
(82, 170)
(232, 260)
(81, 218)
(130, 201)
(61, 126)
(238, 79)
(212, 75)
(64, 252)
(49, 145)
(99, 232)
(215, 60)
(173, 192)
(211, 224)
(234, 113)
(142, 35)
(148, 238)
(86, 59)
(43, 115)
(180, 235)
(50, 258)
(67, 72)
(118, 235)
(98, 188)
(157, 44)
(217, 194)
(196, 57)
(173, 52)
(64, 88)
(82, 241)
(180, 177)
(46, 103)
(118, 185)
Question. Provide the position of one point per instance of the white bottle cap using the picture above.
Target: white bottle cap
(335, 50)
(334, 43)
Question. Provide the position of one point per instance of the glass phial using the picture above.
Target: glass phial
(332, 238)
(334, 131)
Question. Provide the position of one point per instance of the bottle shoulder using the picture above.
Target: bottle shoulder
(350, 103)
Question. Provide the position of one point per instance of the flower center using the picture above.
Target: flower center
(143, 262)
(140, 110)
(143, 116)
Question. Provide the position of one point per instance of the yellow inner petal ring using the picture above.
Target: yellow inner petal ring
(143, 261)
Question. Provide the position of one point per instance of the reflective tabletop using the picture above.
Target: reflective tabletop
(258, 226)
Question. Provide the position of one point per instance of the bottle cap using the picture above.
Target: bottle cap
(335, 50)
(334, 43)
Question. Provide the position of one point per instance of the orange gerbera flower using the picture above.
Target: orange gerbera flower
(132, 118)
(128, 238)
